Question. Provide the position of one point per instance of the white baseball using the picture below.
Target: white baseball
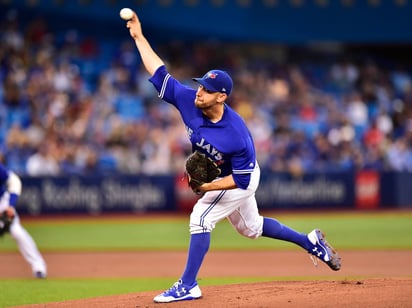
(126, 13)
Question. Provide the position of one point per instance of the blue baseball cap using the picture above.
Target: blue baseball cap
(216, 81)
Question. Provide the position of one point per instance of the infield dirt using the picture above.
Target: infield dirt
(367, 278)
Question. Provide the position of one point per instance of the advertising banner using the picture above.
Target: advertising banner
(367, 189)
(313, 190)
(94, 195)
(139, 193)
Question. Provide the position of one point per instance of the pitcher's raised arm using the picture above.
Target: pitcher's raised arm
(150, 58)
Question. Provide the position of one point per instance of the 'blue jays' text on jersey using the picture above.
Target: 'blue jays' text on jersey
(227, 142)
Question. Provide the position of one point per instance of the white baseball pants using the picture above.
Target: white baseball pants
(237, 205)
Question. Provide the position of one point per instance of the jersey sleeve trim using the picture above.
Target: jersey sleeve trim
(245, 171)
(164, 84)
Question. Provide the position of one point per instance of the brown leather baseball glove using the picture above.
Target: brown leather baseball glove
(200, 169)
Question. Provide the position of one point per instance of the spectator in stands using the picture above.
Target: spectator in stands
(17, 149)
(44, 161)
(399, 155)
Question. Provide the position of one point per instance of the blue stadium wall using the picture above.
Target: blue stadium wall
(282, 21)
(363, 190)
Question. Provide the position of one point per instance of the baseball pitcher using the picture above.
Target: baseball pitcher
(217, 132)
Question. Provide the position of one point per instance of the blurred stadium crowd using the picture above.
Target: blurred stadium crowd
(76, 105)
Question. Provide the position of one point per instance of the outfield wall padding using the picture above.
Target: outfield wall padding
(364, 190)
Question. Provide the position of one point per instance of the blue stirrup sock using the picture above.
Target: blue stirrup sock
(274, 229)
(199, 245)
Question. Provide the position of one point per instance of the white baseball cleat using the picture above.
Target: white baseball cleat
(322, 250)
(179, 292)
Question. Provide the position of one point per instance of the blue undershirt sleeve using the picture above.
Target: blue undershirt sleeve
(13, 199)
(242, 180)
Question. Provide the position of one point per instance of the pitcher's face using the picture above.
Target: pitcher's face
(206, 99)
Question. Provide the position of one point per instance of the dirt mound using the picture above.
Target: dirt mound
(344, 293)
(367, 278)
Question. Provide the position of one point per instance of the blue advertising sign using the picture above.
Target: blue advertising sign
(94, 195)
(312, 190)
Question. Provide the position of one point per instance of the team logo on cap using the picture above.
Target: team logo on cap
(212, 75)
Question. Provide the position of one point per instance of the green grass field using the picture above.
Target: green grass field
(354, 231)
